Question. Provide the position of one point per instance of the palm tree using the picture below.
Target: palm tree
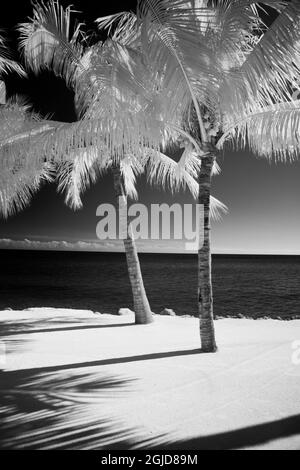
(48, 41)
(111, 115)
(224, 76)
(210, 71)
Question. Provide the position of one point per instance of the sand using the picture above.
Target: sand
(74, 379)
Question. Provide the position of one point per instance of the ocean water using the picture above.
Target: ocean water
(252, 286)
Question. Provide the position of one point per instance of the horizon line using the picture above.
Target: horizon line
(237, 253)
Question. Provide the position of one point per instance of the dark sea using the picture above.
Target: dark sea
(244, 285)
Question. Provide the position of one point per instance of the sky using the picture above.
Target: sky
(262, 197)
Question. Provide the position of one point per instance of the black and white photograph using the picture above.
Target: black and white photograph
(150, 228)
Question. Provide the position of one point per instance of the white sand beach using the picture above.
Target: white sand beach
(74, 379)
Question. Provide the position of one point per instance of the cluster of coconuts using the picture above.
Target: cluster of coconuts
(211, 125)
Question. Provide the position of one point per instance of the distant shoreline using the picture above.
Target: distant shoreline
(216, 318)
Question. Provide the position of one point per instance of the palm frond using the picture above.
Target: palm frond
(48, 40)
(270, 68)
(121, 27)
(236, 27)
(170, 38)
(190, 162)
(272, 131)
(21, 102)
(164, 171)
(7, 64)
(216, 169)
(114, 75)
(131, 167)
(79, 170)
(275, 58)
(19, 184)
(13, 119)
(30, 147)
(25, 138)
(217, 209)
(208, 41)
(117, 137)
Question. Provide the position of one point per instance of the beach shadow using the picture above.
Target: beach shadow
(68, 410)
(22, 331)
(109, 361)
(239, 438)
(15, 332)
(53, 411)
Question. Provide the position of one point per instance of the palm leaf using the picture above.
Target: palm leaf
(81, 169)
(7, 64)
(181, 53)
(50, 41)
(270, 68)
(272, 131)
(131, 167)
(23, 142)
(19, 184)
(121, 27)
(114, 81)
(236, 28)
(164, 171)
(217, 209)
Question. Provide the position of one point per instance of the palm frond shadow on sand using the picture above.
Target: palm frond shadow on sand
(63, 410)
(60, 410)
(67, 406)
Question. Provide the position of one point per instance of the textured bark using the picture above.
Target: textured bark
(142, 308)
(205, 296)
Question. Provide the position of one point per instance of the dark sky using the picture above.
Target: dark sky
(263, 198)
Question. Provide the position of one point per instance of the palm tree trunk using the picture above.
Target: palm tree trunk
(205, 296)
(142, 308)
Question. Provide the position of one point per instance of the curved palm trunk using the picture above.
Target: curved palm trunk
(205, 297)
(142, 308)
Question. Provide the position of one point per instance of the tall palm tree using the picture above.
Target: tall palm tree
(226, 77)
(114, 123)
(49, 41)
